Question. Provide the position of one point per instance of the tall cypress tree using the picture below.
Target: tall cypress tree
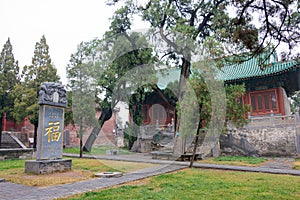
(41, 70)
(9, 77)
(80, 74)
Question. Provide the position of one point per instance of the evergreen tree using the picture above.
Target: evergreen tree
(9, 77)
(80, 75)
(26, 94)
(42, 69)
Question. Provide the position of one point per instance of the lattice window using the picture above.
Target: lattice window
(264, 101)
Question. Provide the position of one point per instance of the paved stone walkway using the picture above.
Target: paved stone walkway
(9, 191)
(279, 163)
(275, 166)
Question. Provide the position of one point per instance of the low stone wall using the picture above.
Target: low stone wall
(261, 141)
(18, 153)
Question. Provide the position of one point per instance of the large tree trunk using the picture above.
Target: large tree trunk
(201, 125)
(105, 115)
(184, 75)
(196, 142)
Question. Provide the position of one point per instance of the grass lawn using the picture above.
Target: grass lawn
(204, 184)
(236, 160)
(82, 169)
(97, 150)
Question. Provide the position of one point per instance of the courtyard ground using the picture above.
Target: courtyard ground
(283, 167)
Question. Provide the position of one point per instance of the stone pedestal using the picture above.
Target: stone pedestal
(47, 166)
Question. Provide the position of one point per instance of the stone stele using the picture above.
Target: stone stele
(52, 101)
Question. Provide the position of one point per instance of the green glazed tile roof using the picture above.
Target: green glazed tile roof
(251, 69)
(246, 70)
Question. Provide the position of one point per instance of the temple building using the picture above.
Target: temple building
(267, 89)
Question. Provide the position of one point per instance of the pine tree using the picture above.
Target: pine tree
(9, 77)
(41, 70)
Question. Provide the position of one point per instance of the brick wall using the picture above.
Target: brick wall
(105, 137)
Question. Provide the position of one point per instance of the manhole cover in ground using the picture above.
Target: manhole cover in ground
(109, 174)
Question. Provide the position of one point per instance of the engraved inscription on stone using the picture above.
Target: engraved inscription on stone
(50, 139)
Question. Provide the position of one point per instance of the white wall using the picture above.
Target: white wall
(123, 114)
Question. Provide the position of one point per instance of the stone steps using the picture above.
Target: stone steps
(8, 142)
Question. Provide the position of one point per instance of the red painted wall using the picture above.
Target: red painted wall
(10, 125)
(105, 137)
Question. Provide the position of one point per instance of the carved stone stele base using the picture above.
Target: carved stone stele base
(47, 166)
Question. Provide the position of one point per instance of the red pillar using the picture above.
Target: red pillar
(280, 101)
(4, 122)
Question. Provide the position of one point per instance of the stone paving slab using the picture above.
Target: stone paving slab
(10, 191)
(249, 169)
(147, 159)
(279, 163)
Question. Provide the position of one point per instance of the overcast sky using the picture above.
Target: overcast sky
(65, 23)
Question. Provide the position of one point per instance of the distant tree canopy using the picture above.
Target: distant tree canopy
(239, 25)
(221, 28)
(26, 93)
(9, 77)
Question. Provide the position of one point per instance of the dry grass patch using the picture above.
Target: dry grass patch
(18, 176)
(82, 169)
